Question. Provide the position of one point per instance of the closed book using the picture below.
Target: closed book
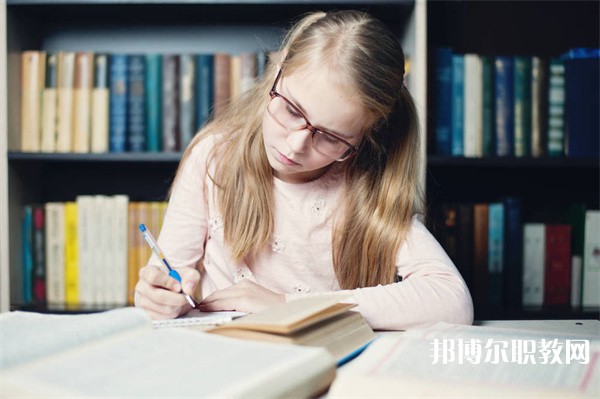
(134, 241)
(513, 252)
(522, 106)
(504, 101)
(117, 133)
(582, 93)
(71, 256)
(187, 99)
(556, 108)
(464, 244)
(119, 241)
(100, 104)
(443, 101)
(489, 98)
(534, 254)
(136, 103)
(103, 265)
(55, 253)
(480, 254)
(575, 216)
(591, 260)
(170, 103)
(49, 105)
(222, 82)
(473, 107)
(235, 77)
(153, 94)
(557, 280)
(495, 253)
(248, 71)
(65, 83)
(27, 253)
(87, 240)
(39, 255)
(539, 106)
(82, 101)
(204, 88)
(448, 234)
(458, 104)
(33, 69)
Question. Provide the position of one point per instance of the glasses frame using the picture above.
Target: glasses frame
(352, 150)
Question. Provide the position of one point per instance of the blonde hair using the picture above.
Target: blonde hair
(381, 179)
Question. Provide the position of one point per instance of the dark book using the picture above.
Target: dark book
(495, 253)
(187, 98)
(458, 104)
(443, 101)
(480, 255)
(556, 108)
(27, 253)
(513, 252)
(136, 103)
(39, 255)
(153, 102)
(522, 106)
(557, 266)
(539, 107)
(118, 103)
(222, 82)
(170, 103)
(204, 88)
(464, 242)
(504, 93)
(488, 119)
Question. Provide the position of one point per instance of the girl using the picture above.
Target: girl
(308, 184)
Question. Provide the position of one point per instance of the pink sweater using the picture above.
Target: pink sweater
(298, 261)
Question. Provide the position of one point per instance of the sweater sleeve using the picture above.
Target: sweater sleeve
(184, 227)
(431, 289)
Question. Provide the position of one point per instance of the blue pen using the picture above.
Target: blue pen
(159, 253)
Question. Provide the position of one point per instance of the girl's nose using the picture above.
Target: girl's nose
(299, 141)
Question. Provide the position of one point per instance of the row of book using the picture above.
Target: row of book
(95, 102)
(517, 105)
(509, 262)
(86, 253)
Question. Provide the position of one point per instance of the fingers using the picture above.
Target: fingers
(159, 294)
(152, 275)
(190, 278)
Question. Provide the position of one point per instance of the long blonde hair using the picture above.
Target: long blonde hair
(382, 179)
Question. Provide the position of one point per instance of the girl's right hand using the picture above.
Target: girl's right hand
(159, 294)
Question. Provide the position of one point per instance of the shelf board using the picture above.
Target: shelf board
(210, 2)
(513, 162)
(133, 157)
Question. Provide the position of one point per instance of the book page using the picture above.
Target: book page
(482, 357)
(197, 318)
(26, 335)
(176, 363)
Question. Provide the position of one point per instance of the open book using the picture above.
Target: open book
(312, 321)
(119, 354)
(447, 360)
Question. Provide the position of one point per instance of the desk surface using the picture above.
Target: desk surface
(589, 328)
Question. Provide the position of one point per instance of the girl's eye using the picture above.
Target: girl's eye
(293, 113)
(330, 139)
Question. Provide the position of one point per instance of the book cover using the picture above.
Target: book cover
(49, 104)
(556, 108)
(136, 103)
(153, 94)
(557, 280)
(489, 98)
(204, 88)
(65, 82)
(55, 253)
(187, 99)
(443, 101)
(458, 104)
(71, 256)
(27, 253)
(33, 70)
(82, 101)
(504, 103)
(591, 260)
(39, 255)
(582, 94)
(495, 253)
(473, 107)
(522, 105)
(100, 105)
(117, 132)
(534, 255)
(539, 106)
(170, 103)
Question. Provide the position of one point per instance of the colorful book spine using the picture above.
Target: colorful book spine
(170, 103)
(27, 254)
(534, 254)
(222, 82)
(473, 106)
(522, 106)
(153, 102)
(495, 253)
(458, 104)
(488, 117)
(480, 253)
(71, 256)
(539, 106)
(39, 255)
(100, 105)
(513, 252)
(556, 108)
(204, 88)
(187, 99)
(557, 281)
(504, 106)
(443, 101)
(118, 103)
(136, 103)
(55, 253)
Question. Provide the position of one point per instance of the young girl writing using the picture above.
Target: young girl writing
(308, 184)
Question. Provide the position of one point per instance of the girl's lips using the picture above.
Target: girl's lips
(285, 160)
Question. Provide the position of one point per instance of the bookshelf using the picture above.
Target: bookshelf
(140, 26)
(546, 186)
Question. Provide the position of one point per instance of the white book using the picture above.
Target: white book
(100, 249)
(85, 241)
(119, 249)
(534, 247)
(55, 253)
(591, 260)
(473, 117)
(65, 81)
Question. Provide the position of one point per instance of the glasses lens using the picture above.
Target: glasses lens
(284, 113)
(330, 146)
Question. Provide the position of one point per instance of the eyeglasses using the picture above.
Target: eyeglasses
(290, 117)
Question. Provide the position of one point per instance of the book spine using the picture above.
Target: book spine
(458, 104)
(513, 252)
(204, 88)
(495, 253)
(71, 256)
(153, 102)
(464, 246)
(118, 103)
(522, 106)
(534, 242)
(27, 253)
(119, 248)
(85, 235)
(248, 71)
(136, 103)
(591, 260)
(39, 255)
(222, 85)
(557, 282)
(488, 118)
(49, 105)
(504, 106)
(55, 253)
(539, 106)
(65, 82)
(82, 101)
(134, 240)
(100, 105)
(443, 101)
(556, 108)
(33, 69)
(480, 253)
(473, 106)
(187, 98)
(170, 103)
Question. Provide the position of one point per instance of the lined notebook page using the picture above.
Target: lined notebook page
(198, 318)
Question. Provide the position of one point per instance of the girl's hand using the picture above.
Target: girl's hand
(245, 296)
(159, 294)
